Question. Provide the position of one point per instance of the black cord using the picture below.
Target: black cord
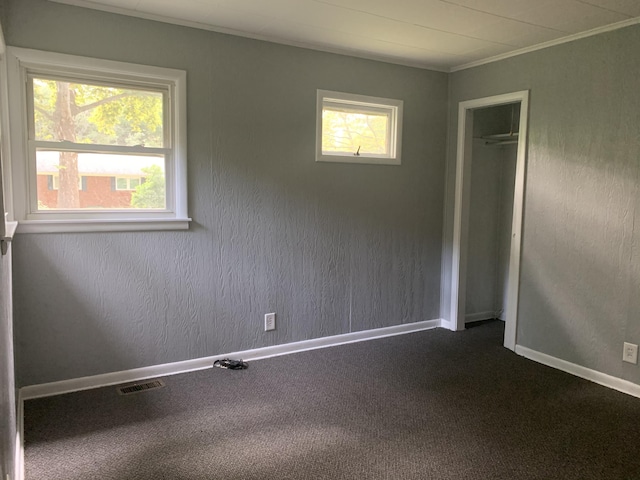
(231, 364)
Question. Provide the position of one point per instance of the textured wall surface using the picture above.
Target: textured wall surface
(7, 386)
(331, 248)
(580, 272)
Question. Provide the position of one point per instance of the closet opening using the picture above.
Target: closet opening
(490, 177)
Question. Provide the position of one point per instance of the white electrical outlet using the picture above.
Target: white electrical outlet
(269, 322)
(630, 353)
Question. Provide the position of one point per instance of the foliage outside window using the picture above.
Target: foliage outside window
(150, 191)
(70, 115)
(111, 124)
(358, 129)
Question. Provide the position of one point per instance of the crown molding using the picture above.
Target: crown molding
(551, 43)
(346, 51)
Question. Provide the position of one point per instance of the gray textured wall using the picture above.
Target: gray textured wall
(7, 386)
(581, 251)
(332, 248)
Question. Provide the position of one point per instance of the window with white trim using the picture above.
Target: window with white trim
(53, 182)
(128, 183)
(358, 129)
(95, 129)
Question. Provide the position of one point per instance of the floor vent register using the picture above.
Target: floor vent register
(140, 387)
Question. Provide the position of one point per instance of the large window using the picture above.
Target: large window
(358, 129)
(102, 145)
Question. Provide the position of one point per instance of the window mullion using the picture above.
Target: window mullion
(66, 146)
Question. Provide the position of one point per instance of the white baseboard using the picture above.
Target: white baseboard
(19, 454)
(103, 380)
(477, 317)
(137, 374)
(580, 371)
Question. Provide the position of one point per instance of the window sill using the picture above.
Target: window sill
(358, 159)
(79, 226)
(10, 230)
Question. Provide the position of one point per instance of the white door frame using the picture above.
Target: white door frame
(461, 212)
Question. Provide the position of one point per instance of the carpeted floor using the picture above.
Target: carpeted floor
(429, 405)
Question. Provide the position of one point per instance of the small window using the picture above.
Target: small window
(358, 129)
(127, 183)
(55, 183)
(96, 127)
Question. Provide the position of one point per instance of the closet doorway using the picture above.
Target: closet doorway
(492, 139)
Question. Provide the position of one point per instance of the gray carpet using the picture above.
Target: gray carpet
(429, 405)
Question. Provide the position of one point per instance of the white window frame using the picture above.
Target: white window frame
(24, 62)
(7, 225)
(364, 103)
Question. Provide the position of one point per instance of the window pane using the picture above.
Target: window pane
(101, 191)
(121, 183)
(95, 114)
(345, 130)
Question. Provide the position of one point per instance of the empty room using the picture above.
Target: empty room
(309, 239)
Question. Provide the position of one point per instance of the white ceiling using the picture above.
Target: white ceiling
(439, 34)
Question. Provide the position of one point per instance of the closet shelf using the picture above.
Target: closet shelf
(500, 139)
